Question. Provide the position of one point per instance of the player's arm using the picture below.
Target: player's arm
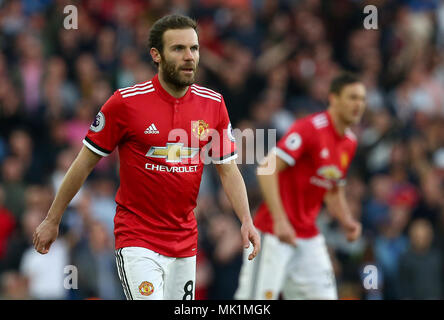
(269, 185)
(46, 233)
(234, 187)
(336, 203)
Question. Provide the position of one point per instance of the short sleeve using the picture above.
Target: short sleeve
(223, 146)
(108, 127)
(295, 142)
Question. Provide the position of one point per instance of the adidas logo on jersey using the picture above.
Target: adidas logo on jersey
(324, 153)
(151, 129)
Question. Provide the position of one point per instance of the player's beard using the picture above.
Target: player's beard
(347, 117)
(352, 120)
(172, 75)
(348, 121)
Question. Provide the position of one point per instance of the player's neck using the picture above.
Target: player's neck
(339, 125)
(176, 92)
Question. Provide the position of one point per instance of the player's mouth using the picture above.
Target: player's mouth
(187, 70)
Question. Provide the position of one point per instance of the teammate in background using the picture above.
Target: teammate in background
(311, 163)
(154, 225)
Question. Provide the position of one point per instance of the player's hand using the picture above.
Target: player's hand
(353, 231)
(284, 231)
(249, 233)
(45, 234)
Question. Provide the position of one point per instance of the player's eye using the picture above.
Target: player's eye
(354, 97)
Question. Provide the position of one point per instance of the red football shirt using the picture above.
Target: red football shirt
(318, 159)
(161, 168)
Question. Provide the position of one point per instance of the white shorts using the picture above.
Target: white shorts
(302, 272)
(148, 275)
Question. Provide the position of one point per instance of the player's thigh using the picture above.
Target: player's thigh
(141, 273)
(262, 277)
(310, 272)
(180, 279)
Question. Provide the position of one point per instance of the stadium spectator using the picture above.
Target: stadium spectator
(420, 268)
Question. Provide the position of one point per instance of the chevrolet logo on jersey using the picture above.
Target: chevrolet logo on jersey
(330, 172)
(173, 152)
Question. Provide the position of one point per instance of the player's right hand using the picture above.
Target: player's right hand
(45, 234)
(250, 234)
(353, 231)
(284, 231)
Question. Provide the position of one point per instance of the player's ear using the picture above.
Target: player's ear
(155, 54)
(332, 98)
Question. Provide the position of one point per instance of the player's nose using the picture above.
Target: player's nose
(188, 55)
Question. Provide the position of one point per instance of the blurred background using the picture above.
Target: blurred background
(273, 61)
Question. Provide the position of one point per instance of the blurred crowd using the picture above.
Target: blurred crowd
(273, 61)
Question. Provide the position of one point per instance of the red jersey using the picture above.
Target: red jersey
(318, 159)
(160, 168)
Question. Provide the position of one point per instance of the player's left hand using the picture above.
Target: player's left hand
(353, 231)
(249, 233)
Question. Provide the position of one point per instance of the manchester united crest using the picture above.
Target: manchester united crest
(344, 160)
(200, 129)
(146, 288)
(268, 295)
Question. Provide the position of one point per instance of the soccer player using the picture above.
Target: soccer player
(311, 162)
(160, 128)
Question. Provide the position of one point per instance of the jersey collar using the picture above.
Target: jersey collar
(165, 95)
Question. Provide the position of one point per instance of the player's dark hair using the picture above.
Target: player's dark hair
(174, 21)
(342, 80)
